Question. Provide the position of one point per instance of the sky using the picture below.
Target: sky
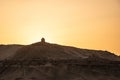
(91, 24)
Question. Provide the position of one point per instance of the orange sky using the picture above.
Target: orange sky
(92, 24)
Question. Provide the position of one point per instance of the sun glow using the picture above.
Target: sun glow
(33, 34)
(82, 23)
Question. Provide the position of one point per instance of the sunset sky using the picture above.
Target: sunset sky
(91, 24)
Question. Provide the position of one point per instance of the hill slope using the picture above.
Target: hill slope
(54, 51)
(7, 51)
(45, 61)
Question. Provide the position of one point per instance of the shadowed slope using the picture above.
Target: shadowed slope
(7, 51)
(53, 51)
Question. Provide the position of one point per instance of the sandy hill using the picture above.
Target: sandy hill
(55, 51)
(46, 61)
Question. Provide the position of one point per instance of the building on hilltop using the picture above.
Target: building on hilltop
(43, 40)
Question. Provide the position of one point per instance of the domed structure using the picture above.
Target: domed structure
(43, 40)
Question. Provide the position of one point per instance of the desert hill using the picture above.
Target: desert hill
(51, 51)
(55, 51)
(46, 61)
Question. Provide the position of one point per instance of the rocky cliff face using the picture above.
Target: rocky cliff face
(60, 71)
(45, 61)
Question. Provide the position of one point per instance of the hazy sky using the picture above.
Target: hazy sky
(92, 24)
